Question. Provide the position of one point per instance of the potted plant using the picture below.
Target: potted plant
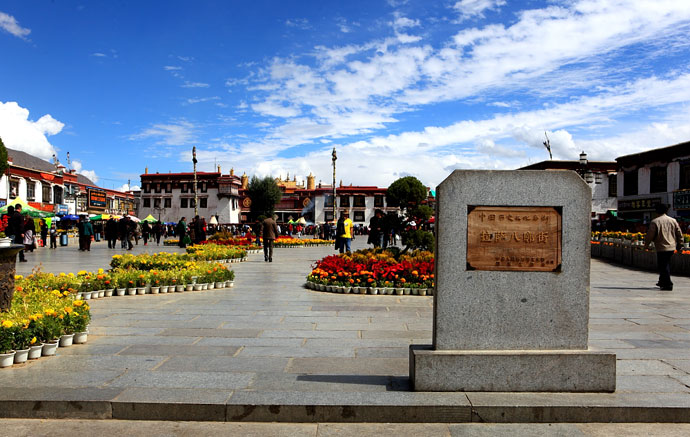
(50, 332)
(6, 343)
(22, 342)
(79, 320)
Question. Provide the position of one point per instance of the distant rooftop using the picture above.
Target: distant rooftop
(23, 159)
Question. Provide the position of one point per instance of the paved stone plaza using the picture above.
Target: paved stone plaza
(270, 350)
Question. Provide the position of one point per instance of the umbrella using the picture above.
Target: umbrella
(70, 217)
(302, 221)
(135, 219)
(213, 221)
(26, 209)
(148, 219)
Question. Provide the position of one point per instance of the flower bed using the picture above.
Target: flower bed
(632, 253)
(171, 243)
(374, 271)
(283, 241)
(40, 319)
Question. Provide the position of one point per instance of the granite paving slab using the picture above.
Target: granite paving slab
(192, 363)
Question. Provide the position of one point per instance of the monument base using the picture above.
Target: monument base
(512, 371)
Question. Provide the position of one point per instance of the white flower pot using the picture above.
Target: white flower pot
(155, 290)
(220, 284)
(141, 290)
(164, 288)
(131, 291)
(21, 356)
(204, 286)
(179, 287)
(66, 340)
(86, 295)
(109, 292)
(120, 291)
(35, 351)
(211, 286)
(197, 287)
(229, 284)
(6, 360)
(50, 348)
(191, 287)
(80, 337)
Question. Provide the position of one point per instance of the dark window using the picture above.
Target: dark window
(201, 186)
(168, 187)
(46, 193)
(613, 185)
(57, 194)
(657, 180)
(147, 202)
(30, 190)
(329, 216)
(378, 201)
(14, 188)
(630, 183)
(158, 188)
(183, 202)
(684, 176)
(192, 203)
(147, 188)
(156, 203)
(167, 202)
(344, 201)
(329, 200)
(359, 202)
(185, 188)
(202, 202)
(359, 216)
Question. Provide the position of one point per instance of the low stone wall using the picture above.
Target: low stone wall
(627, 254)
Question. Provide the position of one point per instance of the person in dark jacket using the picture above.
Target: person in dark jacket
(111, 232)
(145, 232)
(44, 233)
(181, 231)
(88, 233)
(15, 228)
(269, 231)
(122, 231)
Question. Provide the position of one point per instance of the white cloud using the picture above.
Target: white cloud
(10, 25)
(472, 8)
(175, 134)
(202, 99)
(299, 23)
(125, 187)
(400, 22)
(99, 55)
(188, 84)
(20, 133)
(91, 174)
(171, 68)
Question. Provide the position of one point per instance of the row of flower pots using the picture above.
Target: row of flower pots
(398, 291)
(131, 291)
(42, 350)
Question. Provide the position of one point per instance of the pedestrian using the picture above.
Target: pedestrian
(88, 233)
(667, 237)
(157, 232)
(44, 233)
(181, 232)
(345, 233)
(80, 232)
(53, 236)
(376, 233)
(145, 232)
(131, 232)
(15, 228)
(269, 232)
(111, 232)
(122, 232)
(29, 234)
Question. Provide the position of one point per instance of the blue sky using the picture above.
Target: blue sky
(398, 87)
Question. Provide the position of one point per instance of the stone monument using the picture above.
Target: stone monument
(511, 305)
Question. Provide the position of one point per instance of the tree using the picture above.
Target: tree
(3, 158)
(408, 193)
(265, 194)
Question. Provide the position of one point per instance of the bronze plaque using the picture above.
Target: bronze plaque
(514, 238)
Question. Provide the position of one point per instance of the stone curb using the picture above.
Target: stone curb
(363, 413)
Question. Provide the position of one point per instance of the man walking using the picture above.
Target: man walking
(269, 231)
(667, 237)
(15, 226)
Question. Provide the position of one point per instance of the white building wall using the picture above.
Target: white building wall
(222, 207)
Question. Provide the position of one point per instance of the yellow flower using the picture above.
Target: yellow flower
(100, 271)
(49, 312)
(71, 275)
(78, 303)
(33, 340)
(68, 310)
(7, 324)
(17, 277)
(56, 293)
(62, 274)
(82, 273)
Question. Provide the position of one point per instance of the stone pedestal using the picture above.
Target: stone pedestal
(8, 259)
(514, 314)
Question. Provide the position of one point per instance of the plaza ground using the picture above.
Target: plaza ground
(270, 350)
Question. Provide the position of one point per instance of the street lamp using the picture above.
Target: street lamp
(334, 157)
(196, 200)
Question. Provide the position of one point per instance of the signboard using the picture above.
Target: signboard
(526, 239)
(681, 200)
(61, 209)
(646, 204)
(96, 199)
